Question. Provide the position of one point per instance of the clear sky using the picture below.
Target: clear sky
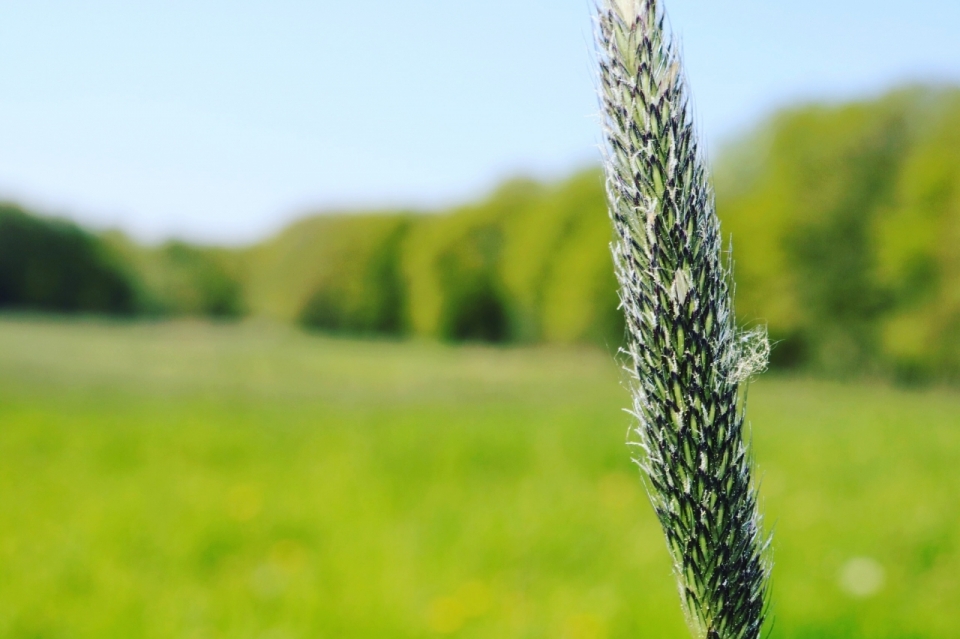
(223, 120)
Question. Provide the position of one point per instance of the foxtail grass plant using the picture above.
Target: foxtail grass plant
(688, 361)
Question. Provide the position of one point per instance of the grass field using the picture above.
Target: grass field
(250, 481)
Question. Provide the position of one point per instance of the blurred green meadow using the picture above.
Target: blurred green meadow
(249, 480)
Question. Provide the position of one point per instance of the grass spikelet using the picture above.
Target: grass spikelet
(687, 359)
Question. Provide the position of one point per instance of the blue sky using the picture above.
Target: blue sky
(223, 120)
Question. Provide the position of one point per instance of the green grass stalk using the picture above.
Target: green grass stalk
(688, 361)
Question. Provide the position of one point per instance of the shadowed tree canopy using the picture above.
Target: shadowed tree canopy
(52, 265)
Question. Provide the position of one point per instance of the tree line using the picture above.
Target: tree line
(845, 222)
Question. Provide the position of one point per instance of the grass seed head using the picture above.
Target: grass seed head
(686, 357)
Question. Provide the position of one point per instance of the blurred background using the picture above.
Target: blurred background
(308, 324)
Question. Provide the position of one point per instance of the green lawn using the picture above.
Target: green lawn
(250, 481)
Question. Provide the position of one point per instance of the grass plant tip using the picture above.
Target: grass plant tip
(687, 359)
